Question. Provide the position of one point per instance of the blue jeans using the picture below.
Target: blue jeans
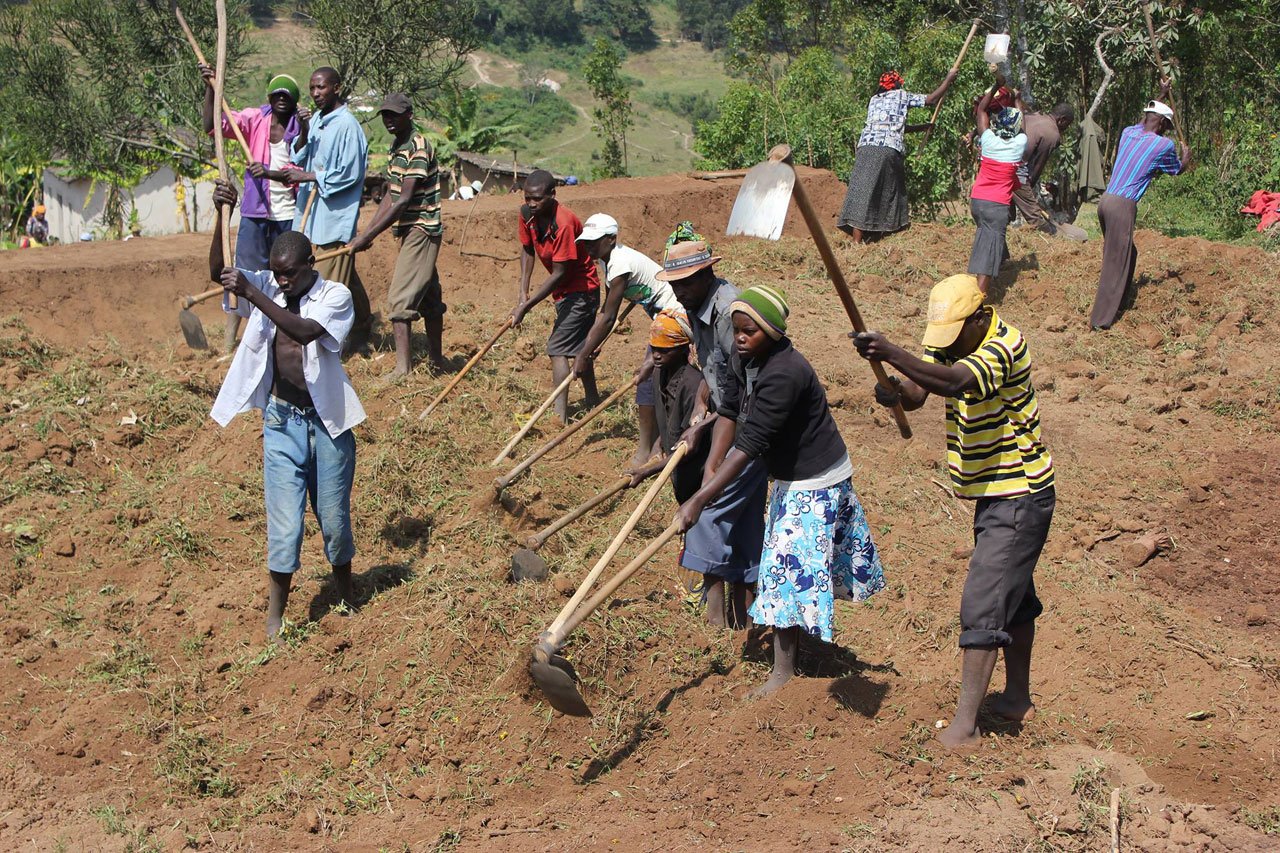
(300, 460)
(255, 239)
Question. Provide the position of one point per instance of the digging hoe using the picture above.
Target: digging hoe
(760, 211)
(550, 672)
(192, 328)
(547, 403)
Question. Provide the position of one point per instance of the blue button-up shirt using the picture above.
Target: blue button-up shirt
(337, 152)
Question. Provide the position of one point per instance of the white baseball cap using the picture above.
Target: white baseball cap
(597, 226)
(1160, 109)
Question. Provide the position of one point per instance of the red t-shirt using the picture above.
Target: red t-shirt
(559, 245)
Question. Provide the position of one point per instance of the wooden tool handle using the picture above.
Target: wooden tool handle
(557, 392)
(466, 368)
(1155, 51)
(837, 278)
(964, 48)
(641, 508)
(556, 637)
(510, 476)
(219, 100)
(306, 211)
(228, 255)
(188, 301)
(540, 538)
(332, 253)
(533, 419)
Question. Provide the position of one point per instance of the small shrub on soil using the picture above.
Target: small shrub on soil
(193, 765)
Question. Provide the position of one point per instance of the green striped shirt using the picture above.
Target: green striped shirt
(415, 159)
(994, 449)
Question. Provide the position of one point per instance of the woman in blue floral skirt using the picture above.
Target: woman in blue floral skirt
(817, 546)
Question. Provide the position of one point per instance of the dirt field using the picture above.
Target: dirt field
(143, 709)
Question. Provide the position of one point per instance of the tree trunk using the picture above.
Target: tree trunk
(1020, 8)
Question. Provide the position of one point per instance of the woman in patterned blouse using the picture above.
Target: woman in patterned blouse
(876, 203)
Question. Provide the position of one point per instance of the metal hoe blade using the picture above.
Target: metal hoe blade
(555, 678)
(763, 200)
(192, 329)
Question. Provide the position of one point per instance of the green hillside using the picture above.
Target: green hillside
(672, 81)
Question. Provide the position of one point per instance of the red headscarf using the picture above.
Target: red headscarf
(890, 80)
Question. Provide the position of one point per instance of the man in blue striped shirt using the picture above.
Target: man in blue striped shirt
(1143, 153)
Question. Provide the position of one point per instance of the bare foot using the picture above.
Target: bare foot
(637, 462)
(953, 738)
(1145, 547)
(274, 624)
(715, 617)
(438, 368)
(776, 680)
(1013, 710)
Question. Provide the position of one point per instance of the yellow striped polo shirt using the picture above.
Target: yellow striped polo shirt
(415, 159)
(994, 449)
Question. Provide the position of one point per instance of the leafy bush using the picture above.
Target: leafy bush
(697, 108)
(1207, 201)
(538, 111)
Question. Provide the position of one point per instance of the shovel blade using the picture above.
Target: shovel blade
(192, 329)
(556, 679)
(763, 200)
(1072, 232)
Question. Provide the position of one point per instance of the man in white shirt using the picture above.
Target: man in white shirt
(289, 365)
(629, 275)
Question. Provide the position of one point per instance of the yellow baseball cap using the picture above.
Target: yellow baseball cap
(952, 301)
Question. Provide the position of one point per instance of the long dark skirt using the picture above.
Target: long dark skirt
(877, 196)
(988, 244)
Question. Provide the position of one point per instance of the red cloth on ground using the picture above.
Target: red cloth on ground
(1266, 205)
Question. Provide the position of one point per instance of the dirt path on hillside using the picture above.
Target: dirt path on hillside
(144, 711)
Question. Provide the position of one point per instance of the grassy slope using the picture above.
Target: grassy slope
(661, 141)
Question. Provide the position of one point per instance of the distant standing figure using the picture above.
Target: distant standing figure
(333, 158)
(1143, 153)
(1002, 142)
(549, 232)
(876, 203)
(411, 208)
(1044, 135)
(268, 208)
(37, 225)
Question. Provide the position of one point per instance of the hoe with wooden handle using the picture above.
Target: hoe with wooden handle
(540, 538)
(192, 328)
(510, 477)
(466, 368)
(550, 671)
(557, 684)
(547, 403)
(760, 211)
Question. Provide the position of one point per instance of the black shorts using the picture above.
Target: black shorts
(1000, 592)
(574, 316)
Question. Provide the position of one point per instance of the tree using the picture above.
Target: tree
(628, 21)
(461, 130)
(415, 48)
(108, 87)
(603, 73)
(707, 21)
(524, 23)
